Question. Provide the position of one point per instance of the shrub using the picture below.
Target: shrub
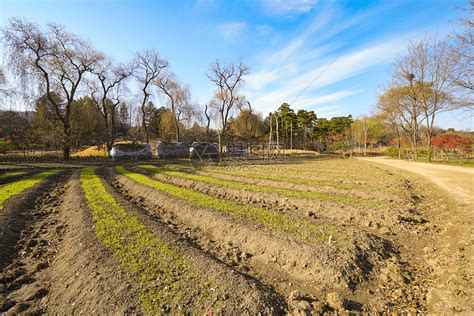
(452, 143)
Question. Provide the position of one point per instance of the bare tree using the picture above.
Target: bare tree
(228, 79)
(55, 59)
(149, 66)
(389, 110)
(463, 53)
(178, 100)
(106, 92)
(426, 69)
(207, 114)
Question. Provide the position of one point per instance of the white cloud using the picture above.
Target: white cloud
(289, 50)
(326, 98)
(231, 30)
(256, 81)
(288, 7)
(345, 67)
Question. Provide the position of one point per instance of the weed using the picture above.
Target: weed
(11, 174)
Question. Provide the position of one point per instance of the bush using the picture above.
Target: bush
(407, 152)
(4, 147)
(452, 144)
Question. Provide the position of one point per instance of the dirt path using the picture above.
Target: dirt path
(453, 260)
(459, 181)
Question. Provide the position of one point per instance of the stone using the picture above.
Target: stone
(317, 308)
(335, 300)
(303, 305)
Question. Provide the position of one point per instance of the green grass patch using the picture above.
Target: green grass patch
(167, 279)
(302, 230)
(11, 174)
(17, 187)
(266, 189)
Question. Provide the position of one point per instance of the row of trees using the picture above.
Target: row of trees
(59, 68)
(432, 77)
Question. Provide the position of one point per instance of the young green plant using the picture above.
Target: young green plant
(161, 272)
(17, 187)
(298, 229)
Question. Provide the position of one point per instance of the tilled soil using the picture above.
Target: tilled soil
(398, 215)
(360, 261)
(388, 259)
(60, 267)
(239, 293)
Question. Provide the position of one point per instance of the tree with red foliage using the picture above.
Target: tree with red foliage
(452, 143)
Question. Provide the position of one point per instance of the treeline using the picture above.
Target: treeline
(81, 96)
(433, 76)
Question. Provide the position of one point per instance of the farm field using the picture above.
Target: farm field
(298, 236)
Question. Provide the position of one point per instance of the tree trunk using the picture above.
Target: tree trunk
(428, 147)
(145, 129)
(67, 142)
(399, 146)
(278, 136)
(177, 131)
(111, 132)
(291, 136)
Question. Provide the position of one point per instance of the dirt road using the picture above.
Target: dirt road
(453, 262)
(459, 181)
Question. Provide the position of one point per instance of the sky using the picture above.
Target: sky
(333, 57)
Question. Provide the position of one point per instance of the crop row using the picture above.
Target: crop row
(266, 189)
(300, 176)
(162, 273)
(302, 230)
(9, 190)
(12, 174)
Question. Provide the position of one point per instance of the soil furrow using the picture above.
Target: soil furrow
(320, 269)
(15, 215)
(60, 267)
(399, 218)
(240, 291)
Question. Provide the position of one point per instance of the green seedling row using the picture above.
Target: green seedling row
(265, 189)
(163, 275)
(302, 230)
(337, 185)
(17, 187)
(11, 174)
(276, 178)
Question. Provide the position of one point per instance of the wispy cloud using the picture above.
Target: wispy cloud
(231, 30)
(346, 66)
(288, 7)
(284, 73)
(327, 98)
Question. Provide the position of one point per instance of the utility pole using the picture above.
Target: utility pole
(291, 135)
(270, 137)
(278, 135)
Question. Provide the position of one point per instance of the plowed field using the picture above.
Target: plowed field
(297, 237)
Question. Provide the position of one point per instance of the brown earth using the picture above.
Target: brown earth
(413, 255)
(60, 267)
(449, 251)
(363, 268)
(239, 293)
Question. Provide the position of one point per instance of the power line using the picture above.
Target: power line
(314, 80)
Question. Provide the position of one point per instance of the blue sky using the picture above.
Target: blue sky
(287, 44)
